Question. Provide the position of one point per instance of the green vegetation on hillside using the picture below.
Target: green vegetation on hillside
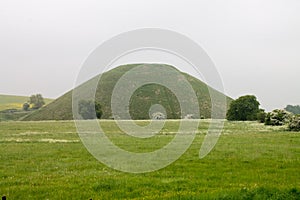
(15, 102)
(37, 101)
(141, 101)
(46, 160)
(11, 107)
(89, 109)
(12, 102)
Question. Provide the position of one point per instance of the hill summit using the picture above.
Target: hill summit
(142, 99)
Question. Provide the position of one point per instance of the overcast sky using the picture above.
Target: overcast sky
(255, 44)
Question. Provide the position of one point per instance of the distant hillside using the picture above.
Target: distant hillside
(11, 107)
(141, 100)
(15, 102)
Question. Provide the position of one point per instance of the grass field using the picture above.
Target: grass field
(46, 160)
(15, 102)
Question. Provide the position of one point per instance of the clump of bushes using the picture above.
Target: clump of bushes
(158, 116)
(189, 116)
(261, 116)
(278, 117)
(89, 109)
(294, 124)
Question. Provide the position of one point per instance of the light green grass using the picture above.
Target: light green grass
(46, 160)
(15, 102)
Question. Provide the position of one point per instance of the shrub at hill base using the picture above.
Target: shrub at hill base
(278, 117)
(89, 109)
(294, 124)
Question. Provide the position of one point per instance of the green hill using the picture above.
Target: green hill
(11, 107)
(140, 102)
(11, 102)
(15, 102)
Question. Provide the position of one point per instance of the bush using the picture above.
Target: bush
(261, 116)
(37, 101)
(26, 106)
(189, 116)
(158, 116)
(89, 109)
(278, 117)
(294, 124)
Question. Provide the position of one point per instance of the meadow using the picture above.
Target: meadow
(46, 160)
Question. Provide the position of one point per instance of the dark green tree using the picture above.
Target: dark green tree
(245, 108)
(26, 106)
(98, 109)
(261, 116)
(89, 109)
(37, 101)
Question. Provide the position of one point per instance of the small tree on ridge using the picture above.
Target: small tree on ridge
(37, 101)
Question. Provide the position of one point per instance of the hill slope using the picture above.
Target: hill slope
(15, 102)
(11, 107)
(140, 102)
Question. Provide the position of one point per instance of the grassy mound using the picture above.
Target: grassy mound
(14, 102)
(11, 107)
(141, 100)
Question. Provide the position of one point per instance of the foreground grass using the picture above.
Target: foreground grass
(46, 160)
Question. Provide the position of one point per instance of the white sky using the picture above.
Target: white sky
(255, 44)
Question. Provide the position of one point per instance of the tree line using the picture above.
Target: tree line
(246, 108)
